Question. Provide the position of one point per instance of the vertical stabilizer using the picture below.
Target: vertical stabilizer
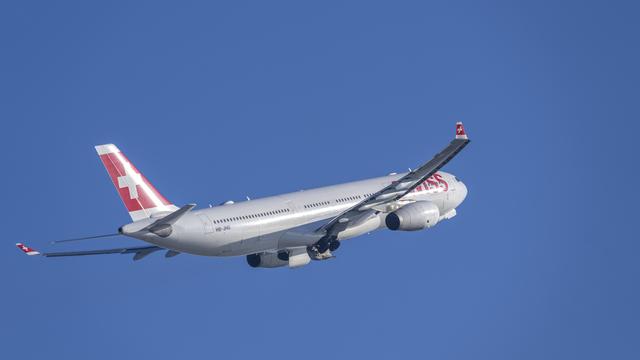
(138, 195)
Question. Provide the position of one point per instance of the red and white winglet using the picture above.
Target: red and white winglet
(27, 250)
(460, 133)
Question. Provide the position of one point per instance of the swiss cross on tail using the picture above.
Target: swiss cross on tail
(130, 180)
(138, 195)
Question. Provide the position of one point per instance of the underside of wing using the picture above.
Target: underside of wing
(139, 252)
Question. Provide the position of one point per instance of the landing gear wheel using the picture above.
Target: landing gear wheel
(323, 247)
(334, 245)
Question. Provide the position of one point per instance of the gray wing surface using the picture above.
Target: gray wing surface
(399, 188)
(133, 250)
(139, 252)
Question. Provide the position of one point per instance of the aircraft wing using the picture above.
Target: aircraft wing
(139, 252)
(398, 188)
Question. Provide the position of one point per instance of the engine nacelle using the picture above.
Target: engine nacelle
(296, 257)
(416, 216)
(265, 260)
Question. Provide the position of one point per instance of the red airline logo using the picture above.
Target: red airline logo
(434, 182)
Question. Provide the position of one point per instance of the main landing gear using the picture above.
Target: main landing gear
(323, 248)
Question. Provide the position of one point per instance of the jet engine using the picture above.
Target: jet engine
(294, 258)
(266, 260)
(415, 216)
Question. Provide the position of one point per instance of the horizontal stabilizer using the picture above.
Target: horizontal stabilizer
(174, 216)
(162, 227)
(171, 253)
(86, 238)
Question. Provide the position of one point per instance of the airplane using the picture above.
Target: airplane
(283, 230)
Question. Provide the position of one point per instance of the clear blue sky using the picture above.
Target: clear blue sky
(218, 101)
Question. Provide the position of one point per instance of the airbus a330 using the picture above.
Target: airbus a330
(283, 230)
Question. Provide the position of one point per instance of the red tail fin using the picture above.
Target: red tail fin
(140, 197)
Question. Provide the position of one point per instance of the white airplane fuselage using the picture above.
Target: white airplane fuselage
(283, 230)
(289, 220)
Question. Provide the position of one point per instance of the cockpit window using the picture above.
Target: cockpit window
(458, 180)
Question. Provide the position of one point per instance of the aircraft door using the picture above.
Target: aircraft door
(291, 205)
(207, 225)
